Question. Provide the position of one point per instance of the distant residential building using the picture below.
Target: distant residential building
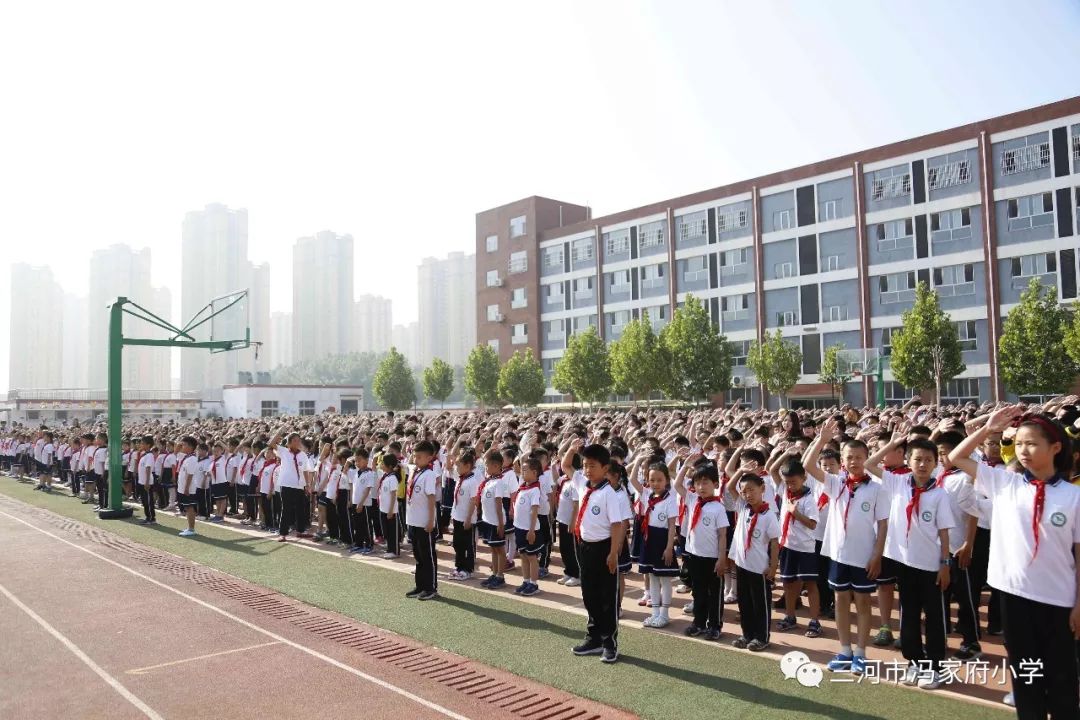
(447, 308)
(37, 318)
(280, 343)
(73, 372)
(406, 339)
(372, 324)
(322, 296)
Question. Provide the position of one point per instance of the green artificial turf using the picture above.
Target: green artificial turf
(658, 676)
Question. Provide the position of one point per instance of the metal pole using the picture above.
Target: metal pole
(879, 383)
(116, 385)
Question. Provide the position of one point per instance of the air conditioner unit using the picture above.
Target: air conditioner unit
(498, 282)
(499, 317)
(737, 381)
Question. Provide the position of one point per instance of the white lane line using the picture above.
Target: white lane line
(314, 653)
(144, 670)
(113, 682)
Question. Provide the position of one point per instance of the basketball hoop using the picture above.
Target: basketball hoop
(856, 373)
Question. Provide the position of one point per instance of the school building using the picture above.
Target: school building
(829, 252)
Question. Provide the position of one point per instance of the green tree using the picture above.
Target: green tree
(830, 372)
(776, 363)
(1033, 359)
(926, 349)
(584, 369)
(438, 380)
(639, 362)
(521, 380)
(394, 384)
(699, 359)
(482, 374)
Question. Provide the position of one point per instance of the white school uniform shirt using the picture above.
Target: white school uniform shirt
(750, 551)
(688, 503)
(232, 468)
(145, 469)
(569, 494)
(266, 477)
(202, 473)
(170, 460)
(86, 462)
(63, 451)
(666, 507)
(983, 503)
(603, 508)
(257, 466)
(799, 538)
(364, 480)
(546, 486)
(525, 500)
(159, 462)
(292, 467)
(39, 445)
(127, 461)
(703, 539)
(510, 483)
(332, 482)
(918, 546)
(1015, 567)
(492, 490)
(417, 509)
(322, 470)
(962, 501)
(48, 452)
(464, 492)
(219, 473)
(852, 543)
(185, 474)
(388, 489)
(101, 460)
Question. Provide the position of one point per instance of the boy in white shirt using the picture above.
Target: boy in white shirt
(144, 479)
(492, 527)
(363, 492)
(463, 516)
(388, 503)
(421, 515)
(798, 561)
(755, 553)
(186, 483)
(705, 525)
(527, 521)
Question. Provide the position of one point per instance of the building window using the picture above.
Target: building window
(697, 268)
(493, 314)
(519, 262)
(735, 307)
(493, 279)
(886, 341)
(960, 391)
(307, 407)
(836, 313)
(897, 288)
(893, 185)
(581, 250)
(517, 299)
(492, 243)
(831, 262)
(269, 408)
(895, 235)
(619, 321)
(692, 226)
(61, 414)
(965, 329)
(652, 276)
(556, 331)
(651, 235)
(617, 242)
(1031, 211)
(787, 318)
(554, 293)
(1076, 145)
(828, 210)
(733, 262)
(783, 270)
(1032, 265)
(948, 175)
(519, 334)
(620, 281)
(955, 280)
(493, 343)
(1025, 159)
(657, 313)
(731, 219)
(951, 224)
(350, 406)
(896, 393)
(583, 322)
(583, 288)
(33, 414)
(517, 226)
(553, 257)
(781, 220)
(739, 350)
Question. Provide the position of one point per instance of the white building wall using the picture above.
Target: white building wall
(245, 401)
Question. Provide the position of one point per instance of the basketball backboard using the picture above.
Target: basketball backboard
(229, 320)
(858, 362)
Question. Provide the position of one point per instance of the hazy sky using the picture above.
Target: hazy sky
(397, 122)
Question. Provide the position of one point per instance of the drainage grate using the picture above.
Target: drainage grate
(452, 671)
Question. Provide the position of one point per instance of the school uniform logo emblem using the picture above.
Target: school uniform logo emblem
(706, 521)
(489, 494)
(866, 506)
(927, 516)
(757, 533)
(1057, 519)
(661, 516)
(595, 509)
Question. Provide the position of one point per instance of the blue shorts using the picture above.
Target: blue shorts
(889, 572)
(521, 537)
(490, 534)
(796, 565)
(848, 577)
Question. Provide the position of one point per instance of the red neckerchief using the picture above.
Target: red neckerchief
(852, 484)
(270, 466)
(682, 501)
(1039, 504)
(585, 504)
(755, 513)
(213, 471)
(913, 503)
(243, 465)
(701, 502)
(529, 486)
(653, 500)
(483, 484)
(993, 463)
(461, 483)
(792, 497)
(899, 469)
(412, 486)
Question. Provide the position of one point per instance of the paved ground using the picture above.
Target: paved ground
(90, 633)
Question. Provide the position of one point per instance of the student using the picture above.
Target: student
(127, 471)
(294, 488)
(219, 482)
(328, 498)
(893, 461)
(463, 517)
(362, 499)
(488, 502)
(75, 463)
(920, 518)
(46, 454)
(600, 529)
(755, 553)
(829, 462)
(854, 542)
(617, 478)
(510, 484)
(245, 463)
(1034, 543)
(144, 479)
(547, 502)
(100, 460)
(388, 506)
(527, 524)
(268, 476)
(234, 458)
(705, 526)
(798, 562)
(169, 472)
(320, 476)
(566, 510)
(186, 467)
(660, 508)
(421, 516)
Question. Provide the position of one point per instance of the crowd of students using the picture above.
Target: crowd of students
(843, 506)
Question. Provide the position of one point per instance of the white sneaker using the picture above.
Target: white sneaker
(911, 675)
(187, 533)
(465, 575)
(561, 581)
(572, 582)
(388, 556)
(1009, 700)
(661, 622)
(730, 598)
(931, 681)
(682, 589)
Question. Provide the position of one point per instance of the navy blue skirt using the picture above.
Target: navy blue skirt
(653, 560)
(636, 540)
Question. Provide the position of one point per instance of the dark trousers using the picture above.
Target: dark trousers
(76, 483)
(271, 510)
(423, 550)
(464, 547)
(361, 527)
(332, 527)
(294, 505)
(545, 548)
(146, 495)
(390, 532)
(755, 607)
(920, 596)
(102, 485)
(567, 552)
(599, 592)
(825, 592)
(345, 517)
(967, 601)
(708, 591)
(980, 561)
(1037, 631)
(203, 503)
(403, 531)
(233, 504)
